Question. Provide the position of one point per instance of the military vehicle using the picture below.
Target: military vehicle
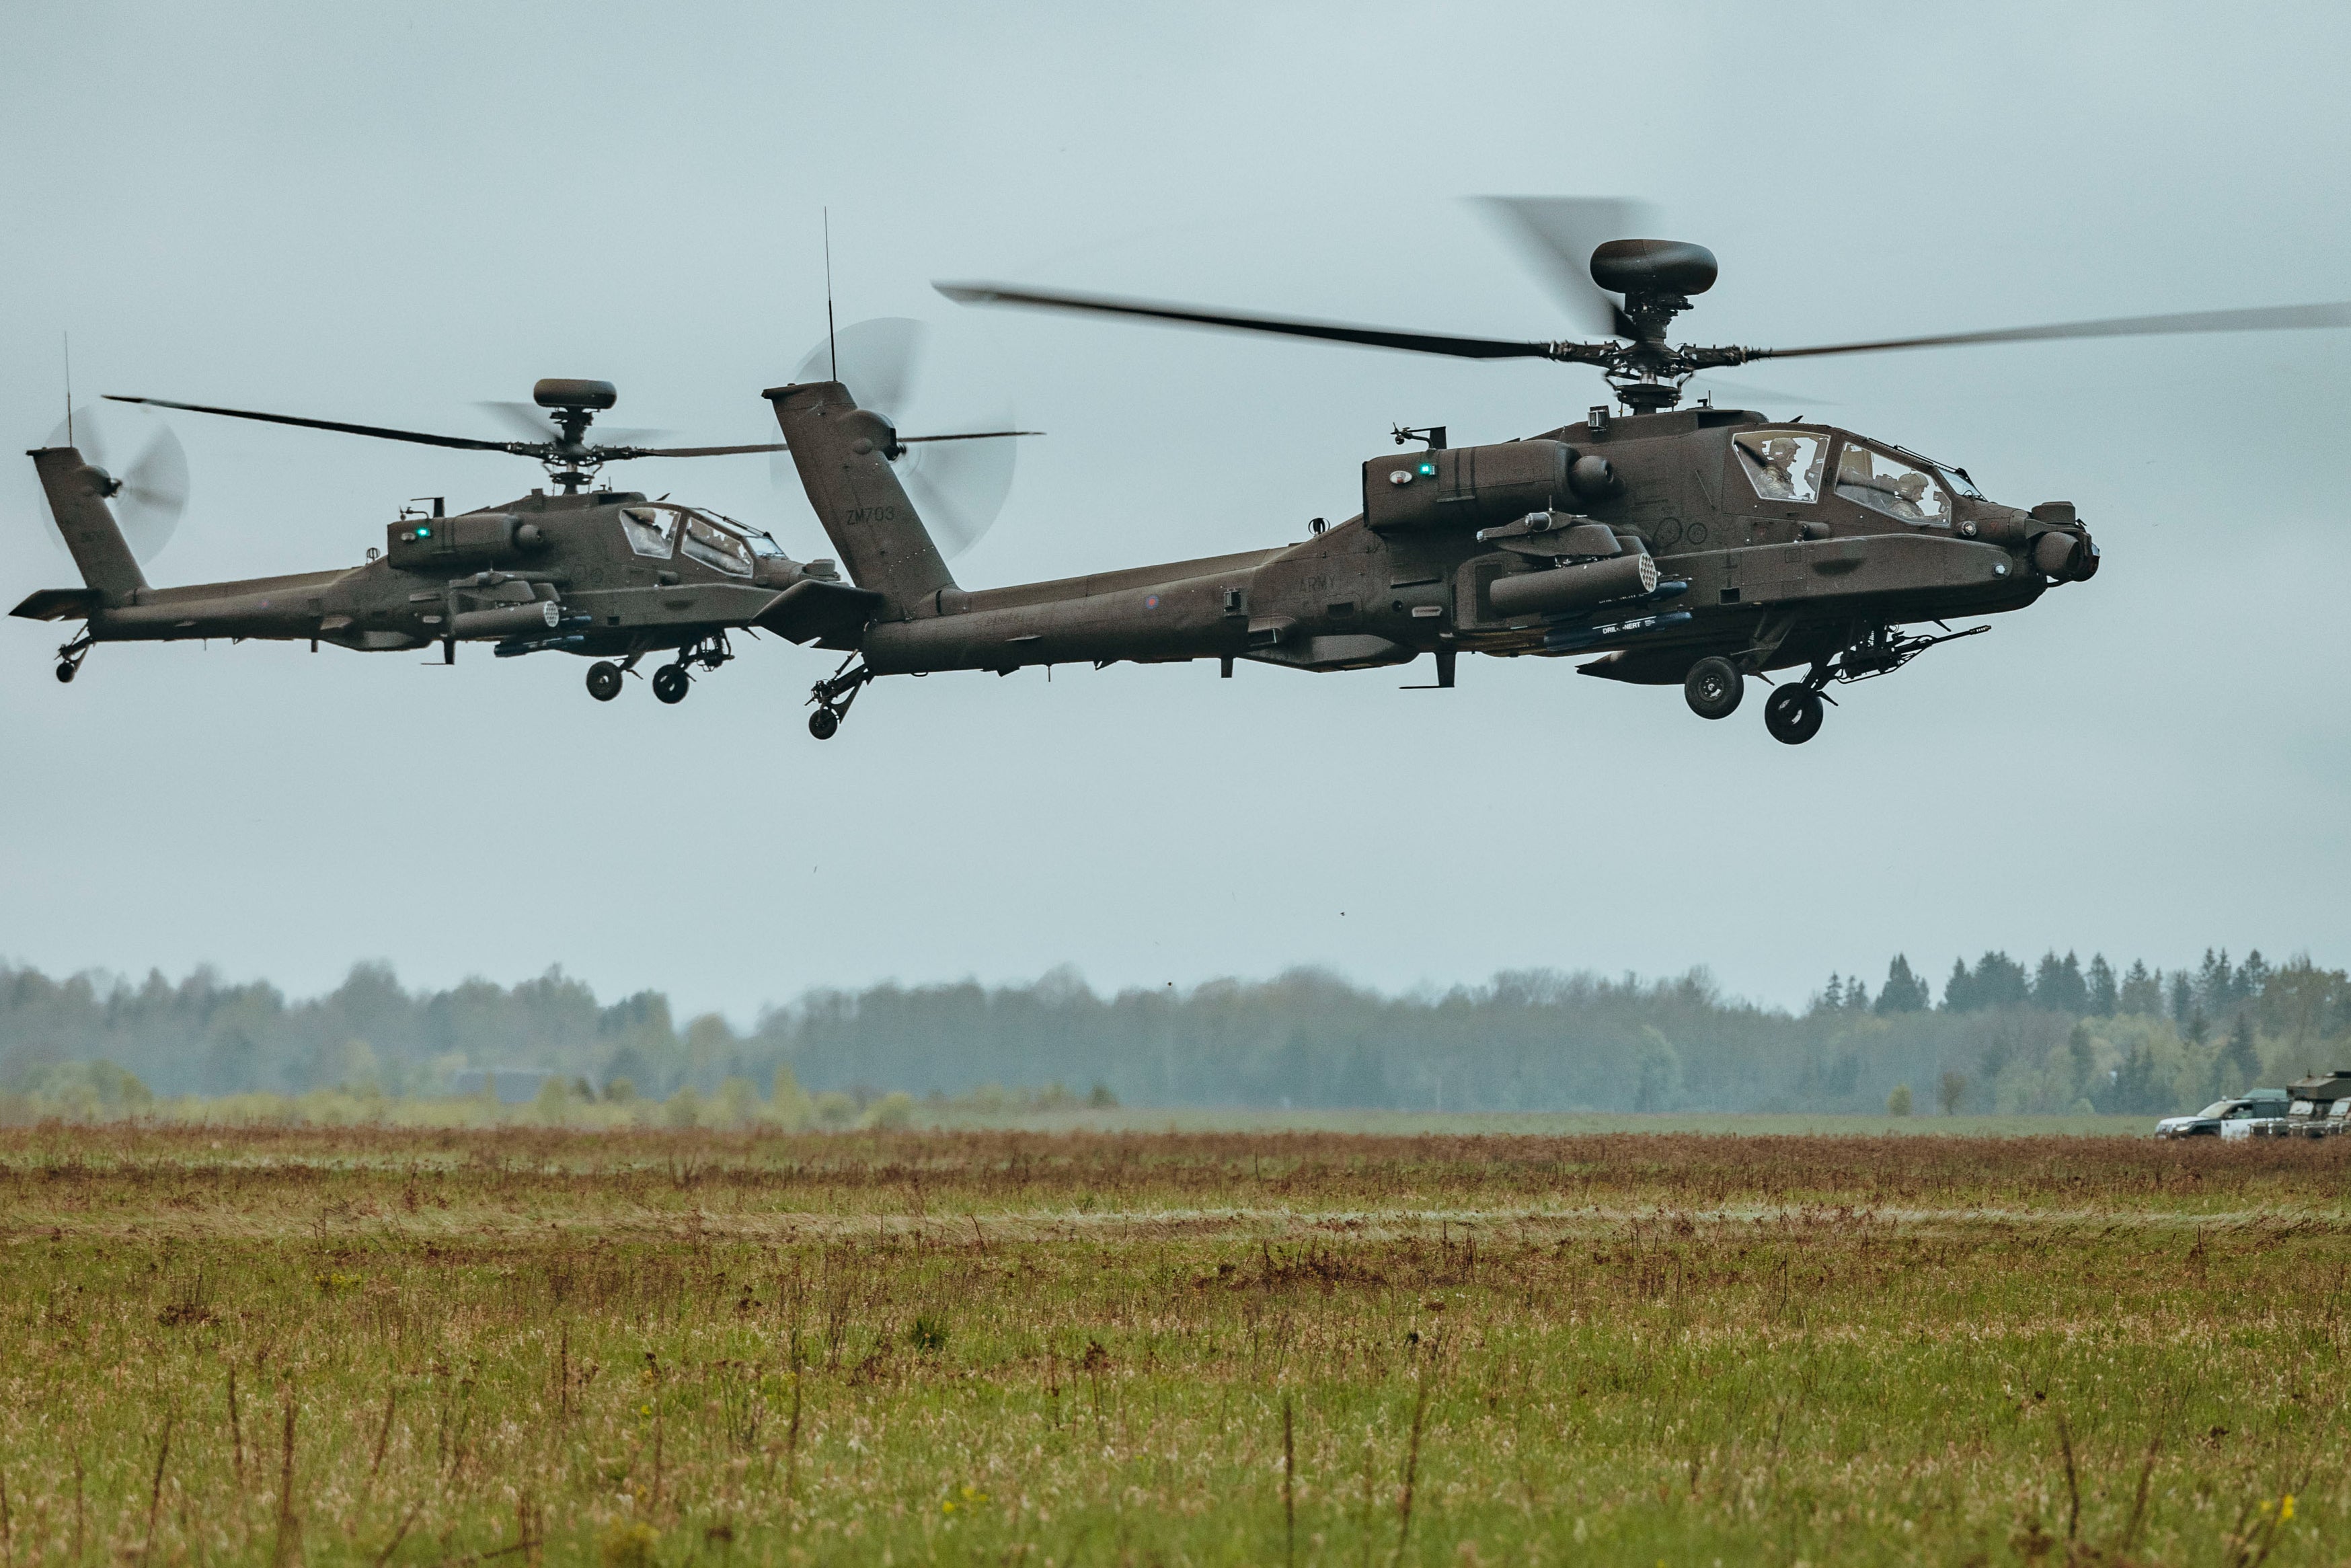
(610, 575)
(1693, 546)
(2315, 1107)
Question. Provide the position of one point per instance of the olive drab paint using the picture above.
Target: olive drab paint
(1647, 540)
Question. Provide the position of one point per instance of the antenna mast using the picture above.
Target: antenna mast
(832, 348)
(68, 340)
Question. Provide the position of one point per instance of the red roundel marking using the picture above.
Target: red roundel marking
(1150, 601)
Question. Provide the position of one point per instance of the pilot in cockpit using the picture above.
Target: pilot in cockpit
(1777, 482)
(1909, 498)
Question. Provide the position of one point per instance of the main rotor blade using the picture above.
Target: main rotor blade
(526, 448)
(2263, 319)
(1328, 331)
(620, 453)
(527, 420)
(1557, 235)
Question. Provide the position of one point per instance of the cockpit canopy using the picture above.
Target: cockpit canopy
(1790, 464)
(661, 529)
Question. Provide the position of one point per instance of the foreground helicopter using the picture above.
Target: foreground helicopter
(606, 574)
(1693, 546)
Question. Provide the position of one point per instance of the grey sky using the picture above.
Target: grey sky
(389, 214)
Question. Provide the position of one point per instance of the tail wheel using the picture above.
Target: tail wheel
(66, 671)
(1794, 714)
(824, 724)
(671, 683)
(603, 680)
(1713, 687)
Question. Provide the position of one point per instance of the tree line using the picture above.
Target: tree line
(2053, 1037)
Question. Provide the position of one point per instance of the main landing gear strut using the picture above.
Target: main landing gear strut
(70, 656)
(833, 698)
(671, 682)
(1792, 714)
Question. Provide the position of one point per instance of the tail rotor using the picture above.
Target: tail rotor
(959, 478)
(150, 491)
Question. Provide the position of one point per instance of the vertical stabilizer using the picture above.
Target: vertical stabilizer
(842, 453)
(77, 493)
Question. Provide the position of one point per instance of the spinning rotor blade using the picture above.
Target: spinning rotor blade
(534, 424)
(957, 480)
(462, 443)
(154, 486)
(958, 484)
(615, 454)
(527, 421)
(2264, 318)
(1557, 235)
(877, 359)
(1329, 332)
(1747, 394)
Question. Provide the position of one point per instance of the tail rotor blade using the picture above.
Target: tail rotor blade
(154, 486)
(879, 361)
(958, 471)
(959, 486)
(154, 493)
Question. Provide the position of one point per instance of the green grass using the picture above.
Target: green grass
(1008, 1346)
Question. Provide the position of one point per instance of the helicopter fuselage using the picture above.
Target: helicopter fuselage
(1509, 550)
(606, 574)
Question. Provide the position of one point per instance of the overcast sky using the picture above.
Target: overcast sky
(390, 214)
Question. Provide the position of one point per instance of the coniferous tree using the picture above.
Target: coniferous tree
(2000, 981)
(1903, 992)
(2216, 982)
(2240, 1064)
(2058, 985)
(1959, 990)
(2142, 991)
(2252, 978)
(2079, 1051)
(2183, 996)
(2106, 997)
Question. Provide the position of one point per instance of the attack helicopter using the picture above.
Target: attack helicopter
(610, 575)
(1694, 545)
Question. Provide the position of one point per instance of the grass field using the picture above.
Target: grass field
(376, 1346)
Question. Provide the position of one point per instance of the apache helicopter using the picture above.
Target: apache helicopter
(606, 574)
(1698, 546)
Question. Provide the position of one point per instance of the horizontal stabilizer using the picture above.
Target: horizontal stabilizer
(829, 614)
(60, 604)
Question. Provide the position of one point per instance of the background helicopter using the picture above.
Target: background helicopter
(607, 574)
(1692, 545)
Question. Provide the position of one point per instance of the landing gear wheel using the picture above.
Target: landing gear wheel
(1713, 687)
(1794, 714)
(824, 723)
(671, 683)
(603, 680)
(66, 671)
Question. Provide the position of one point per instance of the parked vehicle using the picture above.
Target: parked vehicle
(2315, 1108)
(2211, 1122)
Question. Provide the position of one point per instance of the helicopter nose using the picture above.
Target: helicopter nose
(2069, 555)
